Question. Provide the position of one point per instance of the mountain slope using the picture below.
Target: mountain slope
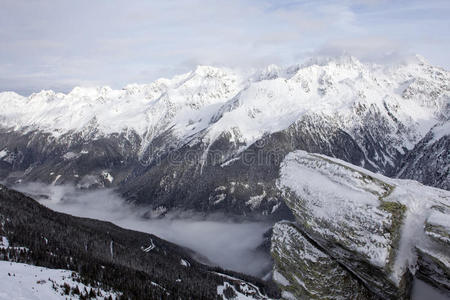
(22, 281)
(429, 161)
(139, 265)
(216, 129)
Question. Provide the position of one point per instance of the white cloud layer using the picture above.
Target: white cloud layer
(59, 44)
(228, 243)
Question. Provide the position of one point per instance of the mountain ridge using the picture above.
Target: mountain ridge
(154, 142)
(206, 83)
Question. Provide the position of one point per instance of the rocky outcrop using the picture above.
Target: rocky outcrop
(433, 258)
(305, 272)
(378, 230)
(429, 161)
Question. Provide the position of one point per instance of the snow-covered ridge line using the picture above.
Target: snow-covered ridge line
(266, 100)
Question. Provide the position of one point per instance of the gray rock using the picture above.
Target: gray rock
(304, 272)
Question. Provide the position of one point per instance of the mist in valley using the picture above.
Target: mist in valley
(218, 240)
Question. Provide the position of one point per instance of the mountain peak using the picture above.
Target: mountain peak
(326, 85)
(90, 91)
(421, 60)
(341, 60)
(270, 72)
(209, 71)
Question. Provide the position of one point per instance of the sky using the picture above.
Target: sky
(60, 44)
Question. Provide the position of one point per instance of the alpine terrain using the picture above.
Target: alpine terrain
(349, 160)
(225, 133)
(98, 260)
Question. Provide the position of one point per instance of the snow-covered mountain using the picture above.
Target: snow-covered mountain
(227, 131)
(218, 100)
(216, 139)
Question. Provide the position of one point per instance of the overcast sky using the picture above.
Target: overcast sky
(59, 44)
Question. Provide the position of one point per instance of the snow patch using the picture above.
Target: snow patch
(440, 131)
(246, 289)
(255, 201)
(280, 279)
(184, 263)
(4, 243)
(150, 247)
(22, 281)
(107, 176)
(71, 155)
(3, 153)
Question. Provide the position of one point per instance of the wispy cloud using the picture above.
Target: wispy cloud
(58, 44)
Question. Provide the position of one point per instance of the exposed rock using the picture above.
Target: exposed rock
(368, 223)
(305, 272)
(433, 258)
(429, 161)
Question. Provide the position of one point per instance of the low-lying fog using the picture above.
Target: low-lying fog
(229, 244)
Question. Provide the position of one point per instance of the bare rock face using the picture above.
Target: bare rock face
(305, 272)
(378, 229)
(433, 258)
(429, 160)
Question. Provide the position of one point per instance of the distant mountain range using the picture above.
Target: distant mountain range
(213, 139)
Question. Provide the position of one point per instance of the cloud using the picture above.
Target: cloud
(374, 49)
(231, 244)
(119, 42)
